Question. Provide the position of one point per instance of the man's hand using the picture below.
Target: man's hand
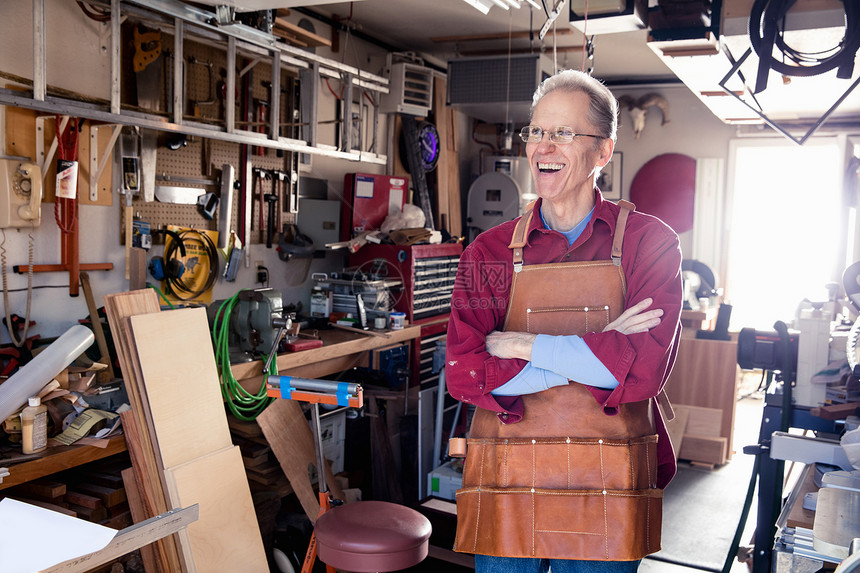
(510, 344)
(636, 319)
(519, 344)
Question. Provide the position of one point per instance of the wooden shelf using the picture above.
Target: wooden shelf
(58, 459)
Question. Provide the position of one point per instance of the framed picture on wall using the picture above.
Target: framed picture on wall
(609, 180)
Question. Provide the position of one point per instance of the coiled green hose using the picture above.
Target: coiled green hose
(241, 403)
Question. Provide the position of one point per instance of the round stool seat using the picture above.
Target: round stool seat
(368, 536)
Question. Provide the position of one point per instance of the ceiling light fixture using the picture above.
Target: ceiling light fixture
(514, 3)
(535, 4)
(501, 4)
(479, 5)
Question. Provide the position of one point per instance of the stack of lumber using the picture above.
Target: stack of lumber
(261, 466)
(696, 435)
(95, 493)
(178, 438)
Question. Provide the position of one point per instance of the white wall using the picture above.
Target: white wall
(78, 60)
(692, 130)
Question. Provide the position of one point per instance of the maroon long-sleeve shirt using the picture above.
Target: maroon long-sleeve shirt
(641, 362)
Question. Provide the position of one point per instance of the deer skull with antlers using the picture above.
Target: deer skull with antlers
(638, 109)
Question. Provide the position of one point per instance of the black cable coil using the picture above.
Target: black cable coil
(177, 285)
(765, 33)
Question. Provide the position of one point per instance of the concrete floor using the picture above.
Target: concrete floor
(700, 517)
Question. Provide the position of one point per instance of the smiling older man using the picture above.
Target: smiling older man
(564, 327)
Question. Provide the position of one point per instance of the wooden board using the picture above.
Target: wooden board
(226, 537)
(341, 350)
(446, 158)
(138, 514)
(59, 458)
(702, 421)
(21, 141)
(799, 516)
(677, 427)
(291, 439)
(705, 374)
(119, 307)
(448, 166)
(182, 387)
(835, 411)
(703, 449)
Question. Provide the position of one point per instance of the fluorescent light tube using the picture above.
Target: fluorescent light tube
(482, 8)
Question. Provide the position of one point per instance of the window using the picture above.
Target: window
(785, 226)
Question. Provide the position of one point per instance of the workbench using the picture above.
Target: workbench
(341, 350)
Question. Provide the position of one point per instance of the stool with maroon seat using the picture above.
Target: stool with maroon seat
(363, 536)
(372, 536)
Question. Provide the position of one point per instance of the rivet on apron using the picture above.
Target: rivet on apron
(534, 441)
(604, 492)
(599, 441)
(585, 309)
(606, 307)
(533, 490)
(568, 440)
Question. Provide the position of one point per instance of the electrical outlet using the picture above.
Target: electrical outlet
(262, 273)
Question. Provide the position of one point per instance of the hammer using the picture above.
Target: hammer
(271, 199)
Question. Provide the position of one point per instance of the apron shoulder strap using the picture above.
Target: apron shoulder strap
(518, 240)
(620, 225)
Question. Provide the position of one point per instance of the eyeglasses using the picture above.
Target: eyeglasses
(561, 134)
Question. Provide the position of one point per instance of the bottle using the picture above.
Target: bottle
(321, 302)
(34, 427)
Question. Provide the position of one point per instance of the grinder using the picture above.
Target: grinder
(254, 323)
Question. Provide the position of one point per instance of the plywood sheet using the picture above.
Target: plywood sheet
(288, 433)
(226, 537)
(139, 436)
(138, 514)
(702, 421)
(677, 427)
(705, 374)
(703, 449)
(181, 379)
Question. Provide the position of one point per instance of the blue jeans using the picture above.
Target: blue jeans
(489, 564)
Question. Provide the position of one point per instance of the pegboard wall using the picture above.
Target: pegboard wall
(205, 69)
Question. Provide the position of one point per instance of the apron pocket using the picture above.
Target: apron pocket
(580, 319)
(564, 524)
(562, 463)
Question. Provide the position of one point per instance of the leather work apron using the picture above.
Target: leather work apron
(567, 481)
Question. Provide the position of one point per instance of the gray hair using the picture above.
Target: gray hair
(603, 110)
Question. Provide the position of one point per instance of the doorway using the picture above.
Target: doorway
(785, 221)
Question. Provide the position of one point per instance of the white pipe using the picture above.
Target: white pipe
(33, 376)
